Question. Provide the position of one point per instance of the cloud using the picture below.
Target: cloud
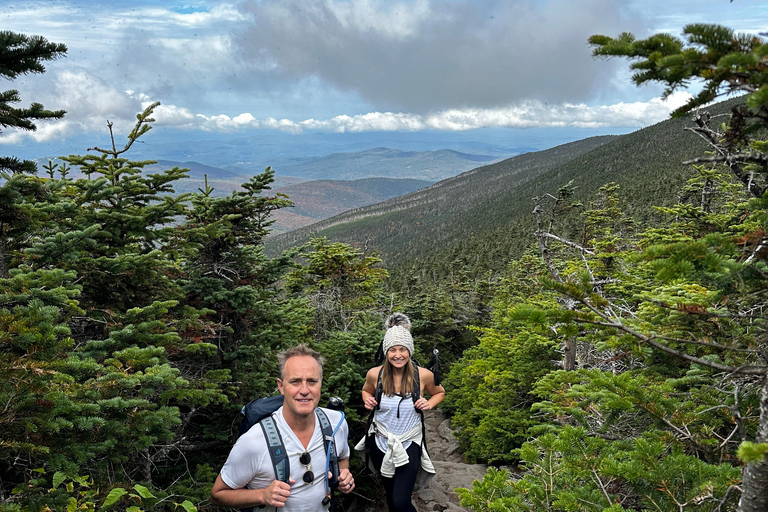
(341, 65)
(90, 103)
(424, 56)
(528, 114)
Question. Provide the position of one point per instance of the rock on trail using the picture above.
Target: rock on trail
(452, 469)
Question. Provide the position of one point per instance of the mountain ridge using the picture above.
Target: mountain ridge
(485, 214)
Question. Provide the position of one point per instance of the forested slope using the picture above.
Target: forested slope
(484, 215)
(440, 212)
(618, 365)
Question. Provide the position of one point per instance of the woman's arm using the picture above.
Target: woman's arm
(369, 388)
(436, 392)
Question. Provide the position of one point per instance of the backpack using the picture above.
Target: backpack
(260, 411)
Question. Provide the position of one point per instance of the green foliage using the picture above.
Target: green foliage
(342, 283)
(490, 391)
(572, 470)
(667, 324)
(727, 62)
(83, 493)
(21, 54)
(129, 322)
(724, 62)
(349, 355)
(753, 452)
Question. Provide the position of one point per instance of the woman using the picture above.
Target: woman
(395, 440)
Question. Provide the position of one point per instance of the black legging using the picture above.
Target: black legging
(399, 487)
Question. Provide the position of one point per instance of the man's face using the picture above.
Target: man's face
(301, 385)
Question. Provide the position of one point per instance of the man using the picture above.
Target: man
(248, 478)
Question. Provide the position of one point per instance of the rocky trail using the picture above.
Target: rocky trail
(452, 470)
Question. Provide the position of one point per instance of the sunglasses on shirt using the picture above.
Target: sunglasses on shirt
(306, 460)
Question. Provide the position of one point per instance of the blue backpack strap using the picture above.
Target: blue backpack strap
(330, 447)
(276, 449)
(277, 453)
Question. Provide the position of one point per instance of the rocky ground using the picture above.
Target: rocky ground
(452, 469)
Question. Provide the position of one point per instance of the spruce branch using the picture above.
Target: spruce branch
(650, 340)
(143, 125)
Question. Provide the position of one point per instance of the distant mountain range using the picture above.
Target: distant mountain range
(385, 162)
(385, 173)
(485, 214)
(317, 200)
(262, 148)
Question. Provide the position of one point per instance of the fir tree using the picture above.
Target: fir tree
(19, 55)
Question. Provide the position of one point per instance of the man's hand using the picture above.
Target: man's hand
(346, 482)
(277, 493)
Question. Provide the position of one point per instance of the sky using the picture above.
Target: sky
(347, 66)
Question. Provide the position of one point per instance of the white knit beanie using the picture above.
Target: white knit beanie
(398, 335)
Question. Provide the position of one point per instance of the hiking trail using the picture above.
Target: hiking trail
(452, 470)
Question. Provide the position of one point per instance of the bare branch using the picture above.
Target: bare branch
(564, 242)
(742, 370)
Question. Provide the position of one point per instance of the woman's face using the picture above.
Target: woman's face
(398, 356)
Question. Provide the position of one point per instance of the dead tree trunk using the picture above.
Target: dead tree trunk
(754, 484)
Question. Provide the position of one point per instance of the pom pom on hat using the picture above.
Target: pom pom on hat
(398, 335)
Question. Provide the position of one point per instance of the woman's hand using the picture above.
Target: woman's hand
(370, 403)
(422, 404)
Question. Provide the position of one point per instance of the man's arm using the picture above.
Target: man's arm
(275, 495)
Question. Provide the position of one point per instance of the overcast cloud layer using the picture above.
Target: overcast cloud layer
(347, 66)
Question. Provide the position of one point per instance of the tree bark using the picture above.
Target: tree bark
(754, 485)
(3, 265)
(569, 357)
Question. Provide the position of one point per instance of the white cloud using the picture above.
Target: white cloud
(345, 65)
(530, 114)
(171, 115)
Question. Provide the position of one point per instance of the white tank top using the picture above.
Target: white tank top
(387, 415)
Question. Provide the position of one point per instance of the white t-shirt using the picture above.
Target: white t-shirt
(249, 464)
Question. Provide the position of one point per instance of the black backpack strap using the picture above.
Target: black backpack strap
(416, 393)
(379, 391)
(330, 447)
(276, 449)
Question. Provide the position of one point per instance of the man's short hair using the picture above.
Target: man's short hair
(299, 350)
